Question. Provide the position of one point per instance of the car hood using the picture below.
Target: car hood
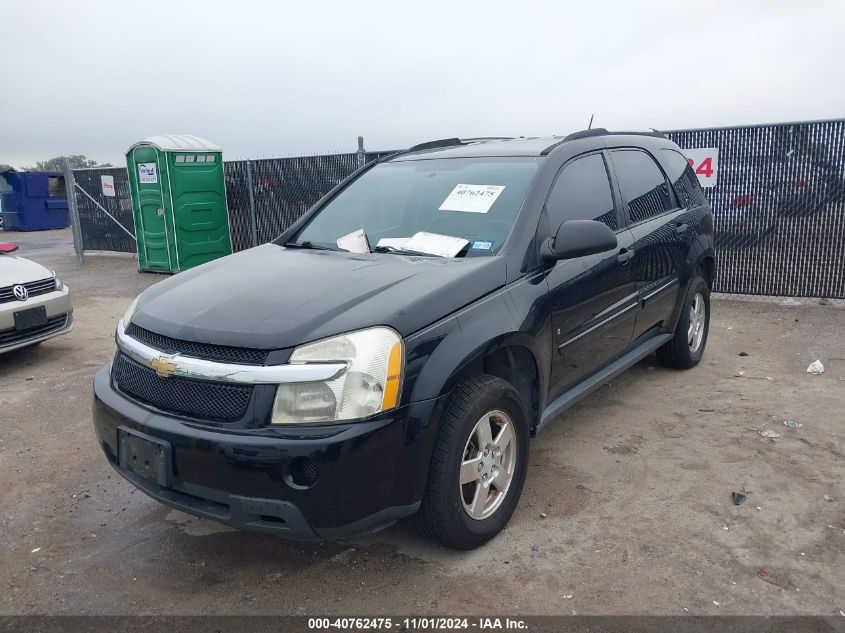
(271, 297)
(17, 270)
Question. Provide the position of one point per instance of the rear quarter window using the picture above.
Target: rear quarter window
(642, 183)
(683, 179)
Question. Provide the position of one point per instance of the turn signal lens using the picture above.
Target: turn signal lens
(394, 377)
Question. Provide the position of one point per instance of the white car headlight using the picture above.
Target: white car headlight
(59, 284)
(127, 316)
(375, 359)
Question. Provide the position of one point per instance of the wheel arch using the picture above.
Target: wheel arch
(511, 358)
(707, 265)
(701, 259)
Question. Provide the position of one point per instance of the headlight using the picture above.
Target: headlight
(59, 284)
(127, 316)
(369, 385)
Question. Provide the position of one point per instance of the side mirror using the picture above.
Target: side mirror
(578, 238)
(8, 248)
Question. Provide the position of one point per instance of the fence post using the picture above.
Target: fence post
(252, 224)
(73, 211)
(362, 155)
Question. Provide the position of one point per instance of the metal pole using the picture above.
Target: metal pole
(73, 211)
(362, 155)
(252, 223)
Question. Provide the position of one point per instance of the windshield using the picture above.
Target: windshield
(476, 199)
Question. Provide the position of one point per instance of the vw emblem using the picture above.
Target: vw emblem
(20, 292)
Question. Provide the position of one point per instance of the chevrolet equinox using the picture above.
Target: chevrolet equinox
(392, 352)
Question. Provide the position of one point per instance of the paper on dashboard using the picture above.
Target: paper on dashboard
(393, 242)
(436, 244)
(355, 242)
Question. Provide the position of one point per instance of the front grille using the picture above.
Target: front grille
(201, 399)
(13, 336)
(219, 353)
(34, 288)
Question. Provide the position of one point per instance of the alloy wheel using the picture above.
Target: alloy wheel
(488, 464)
(697, 321)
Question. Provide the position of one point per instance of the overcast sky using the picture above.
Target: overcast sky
(280, 78)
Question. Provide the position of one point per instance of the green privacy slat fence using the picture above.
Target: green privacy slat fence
(779, 203)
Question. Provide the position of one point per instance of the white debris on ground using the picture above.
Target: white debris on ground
(815, 368)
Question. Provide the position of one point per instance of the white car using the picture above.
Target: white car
(34, 303)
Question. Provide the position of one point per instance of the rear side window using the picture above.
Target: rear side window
(642, 183)
(582, 192)
(683, 179)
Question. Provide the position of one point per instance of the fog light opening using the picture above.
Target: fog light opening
(302, 473)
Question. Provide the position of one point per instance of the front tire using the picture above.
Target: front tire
(687, 345)
(478, 466)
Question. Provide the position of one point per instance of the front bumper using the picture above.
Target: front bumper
(368, 474)
(57, 305)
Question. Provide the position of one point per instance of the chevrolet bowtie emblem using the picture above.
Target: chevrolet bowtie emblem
(163, 366)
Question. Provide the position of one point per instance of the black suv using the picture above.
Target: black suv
(392, 352)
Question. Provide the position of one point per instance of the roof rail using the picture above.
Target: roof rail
(451, 142)
(444, 142)
(481, 139)
(600, 131)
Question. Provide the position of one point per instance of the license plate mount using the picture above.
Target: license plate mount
(145, 456)
(30, 318)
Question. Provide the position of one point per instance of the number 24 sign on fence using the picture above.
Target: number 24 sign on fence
(705, 163)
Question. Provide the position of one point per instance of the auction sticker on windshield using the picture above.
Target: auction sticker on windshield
(471, 198)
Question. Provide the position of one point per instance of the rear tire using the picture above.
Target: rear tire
(478, 465)
(687, 345)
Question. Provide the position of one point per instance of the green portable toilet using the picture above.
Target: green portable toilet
(178, 201)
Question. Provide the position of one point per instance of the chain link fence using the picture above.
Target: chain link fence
(266, 196)
(779, 207)
(778, 202)
(103, 210)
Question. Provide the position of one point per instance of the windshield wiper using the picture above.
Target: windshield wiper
(401, 251)
(309, 244)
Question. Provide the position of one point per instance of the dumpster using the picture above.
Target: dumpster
(33, 200)
(178, 202)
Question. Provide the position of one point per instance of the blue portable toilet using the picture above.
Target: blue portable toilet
(33, 200)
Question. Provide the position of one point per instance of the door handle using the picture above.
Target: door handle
(681, 228)
(625, 255)
(160, 211)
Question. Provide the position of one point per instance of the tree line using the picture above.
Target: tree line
(57, 163)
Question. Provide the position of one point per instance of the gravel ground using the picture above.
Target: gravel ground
(627, 507)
